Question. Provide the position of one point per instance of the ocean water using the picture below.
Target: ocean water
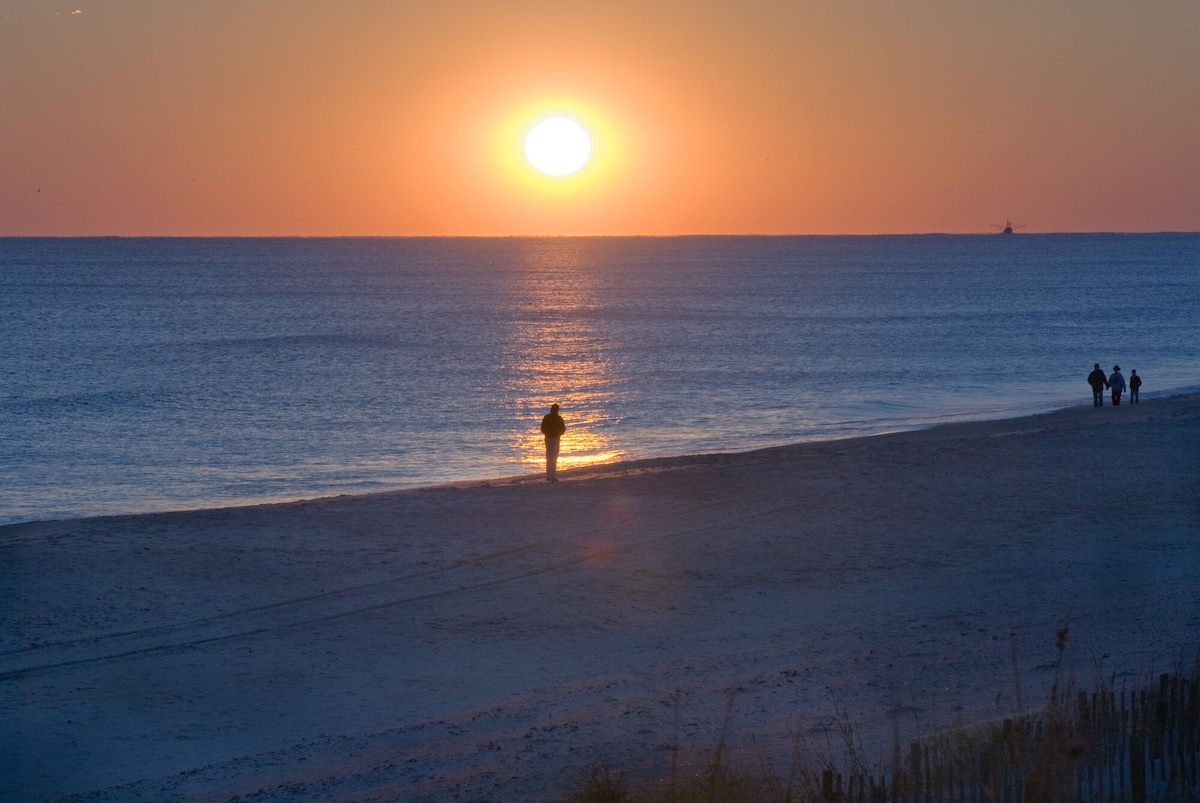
(155, 374)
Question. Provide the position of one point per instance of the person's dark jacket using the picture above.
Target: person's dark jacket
(1097, 380)
(553, 426)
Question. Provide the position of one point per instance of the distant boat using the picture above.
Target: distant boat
(1007, 228)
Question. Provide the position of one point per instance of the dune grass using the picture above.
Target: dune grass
(1133, 745)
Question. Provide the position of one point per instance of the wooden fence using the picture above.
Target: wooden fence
(1138, 746)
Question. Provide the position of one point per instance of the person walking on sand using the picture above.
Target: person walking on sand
(1116, 384)
(1098, 382)
(1135, 382)
(553, 428)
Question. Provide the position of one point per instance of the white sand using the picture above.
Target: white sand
(489, 641)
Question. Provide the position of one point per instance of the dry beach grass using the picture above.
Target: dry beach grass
(1135, 745)
(490, 641)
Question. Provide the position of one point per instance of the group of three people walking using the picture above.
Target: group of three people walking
(1114, 382)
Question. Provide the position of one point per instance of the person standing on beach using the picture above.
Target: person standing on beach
(1135, 382)
(553, 428)
(1116, 383)
(1098, 382)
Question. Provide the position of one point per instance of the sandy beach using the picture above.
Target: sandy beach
(489, 641)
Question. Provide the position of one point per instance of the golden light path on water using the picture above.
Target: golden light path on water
(558, 357)
(579, 449)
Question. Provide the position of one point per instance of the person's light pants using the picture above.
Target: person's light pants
(552, 458)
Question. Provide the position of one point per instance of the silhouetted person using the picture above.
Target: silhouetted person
(1098, 382)
(553, 428)
(1116, 383)
(1135, 382)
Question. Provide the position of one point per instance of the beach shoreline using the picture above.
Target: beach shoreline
(968, 417)
(484, 640)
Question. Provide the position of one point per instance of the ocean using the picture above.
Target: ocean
(145, 375)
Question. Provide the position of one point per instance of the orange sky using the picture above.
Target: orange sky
(406, 117)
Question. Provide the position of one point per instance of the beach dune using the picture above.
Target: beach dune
(488, 641)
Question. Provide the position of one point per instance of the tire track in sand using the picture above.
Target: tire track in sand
(358, 600)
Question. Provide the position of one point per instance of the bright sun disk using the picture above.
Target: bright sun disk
(558, 146)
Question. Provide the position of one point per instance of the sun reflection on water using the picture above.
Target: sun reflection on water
(557, 355)
(579, 448)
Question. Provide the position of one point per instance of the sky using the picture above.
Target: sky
(408, 117)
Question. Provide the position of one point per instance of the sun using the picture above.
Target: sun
(558, 146)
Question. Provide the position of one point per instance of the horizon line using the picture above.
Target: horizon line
(566, 236)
